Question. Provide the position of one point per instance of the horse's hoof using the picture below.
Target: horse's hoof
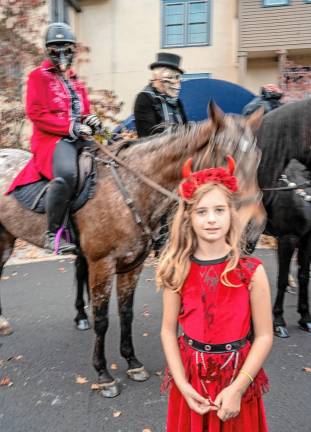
(281, 331)
(83, 324)
(306, 326)
(5, 328)
(110, 390)
(138, 374)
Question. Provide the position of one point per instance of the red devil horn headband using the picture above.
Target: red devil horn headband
(220, 175)
(186, 168)
(230, 165)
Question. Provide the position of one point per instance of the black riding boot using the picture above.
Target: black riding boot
(57, 201)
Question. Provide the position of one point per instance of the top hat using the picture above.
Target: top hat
(171, 61)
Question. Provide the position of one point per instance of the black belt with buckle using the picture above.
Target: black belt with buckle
(215, 348)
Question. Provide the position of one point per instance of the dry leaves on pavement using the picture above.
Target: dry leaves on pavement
(81, 380)
(5, 381)
(114, 366)
(96, 386)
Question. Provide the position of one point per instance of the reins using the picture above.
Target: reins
(139, 175)
(156, 186)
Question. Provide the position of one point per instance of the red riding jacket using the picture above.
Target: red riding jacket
(48, 105)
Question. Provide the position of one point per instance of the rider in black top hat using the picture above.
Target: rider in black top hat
(158, 105)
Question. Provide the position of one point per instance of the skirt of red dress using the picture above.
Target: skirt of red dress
(209, 379)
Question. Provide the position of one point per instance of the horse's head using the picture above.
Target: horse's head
(235, 135)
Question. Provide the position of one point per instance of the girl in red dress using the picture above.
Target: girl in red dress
(216, 378)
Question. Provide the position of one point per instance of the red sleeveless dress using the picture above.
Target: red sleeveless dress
(213, 313)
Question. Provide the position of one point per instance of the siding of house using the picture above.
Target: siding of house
(273, 28)
(125, 35)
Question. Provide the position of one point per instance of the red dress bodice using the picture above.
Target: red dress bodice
(212, 312)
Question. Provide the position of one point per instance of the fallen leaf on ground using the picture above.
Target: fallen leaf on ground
(114, 366)
(307, 369)
(147, 430)
(16, 358)
(62, 269)
(81, 380)
(5, 277)
(145, 334)
(5, 381)
(96, 386)
(146, 314)
(117, 413)
(158, 373)
(150, 280)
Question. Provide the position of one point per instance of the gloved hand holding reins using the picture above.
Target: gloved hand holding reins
(93, 122)
(81, 130)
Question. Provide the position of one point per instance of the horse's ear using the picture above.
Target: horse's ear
(254, 120)
(215, 113)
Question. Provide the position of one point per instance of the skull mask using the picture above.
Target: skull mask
(167, 81)
(61, 55)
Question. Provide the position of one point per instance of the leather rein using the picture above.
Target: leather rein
(113, 162)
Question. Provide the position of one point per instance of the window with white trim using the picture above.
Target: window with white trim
(185, 23)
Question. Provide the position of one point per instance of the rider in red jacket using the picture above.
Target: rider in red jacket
(58, 106)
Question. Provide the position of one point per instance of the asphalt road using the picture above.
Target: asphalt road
(45, 355)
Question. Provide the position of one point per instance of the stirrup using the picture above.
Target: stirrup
(58, 245)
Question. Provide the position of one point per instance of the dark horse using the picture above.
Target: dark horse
(111, 239)
(285, 141)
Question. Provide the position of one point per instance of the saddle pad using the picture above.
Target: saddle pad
(32, 196)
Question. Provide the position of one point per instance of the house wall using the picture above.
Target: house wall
(276, 27)
(125, 36)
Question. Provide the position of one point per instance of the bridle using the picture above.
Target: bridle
(113, 162)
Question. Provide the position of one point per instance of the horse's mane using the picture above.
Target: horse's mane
(284, 135)
(180, 134)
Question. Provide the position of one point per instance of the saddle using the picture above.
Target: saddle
(32, 196)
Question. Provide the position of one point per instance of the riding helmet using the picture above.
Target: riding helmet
(59, 32)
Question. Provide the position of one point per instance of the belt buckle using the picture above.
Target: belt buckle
(228, 347)
(190, 342)
(207, 347)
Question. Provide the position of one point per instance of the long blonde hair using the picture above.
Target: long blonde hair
(175, 260)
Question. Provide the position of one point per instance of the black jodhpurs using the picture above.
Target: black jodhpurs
(65, 161)
(62, 187)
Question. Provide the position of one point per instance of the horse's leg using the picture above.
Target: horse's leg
(286, 247)
(6, 247)
(126, 284)
(81, 319)
(101, 278)
(304, 257)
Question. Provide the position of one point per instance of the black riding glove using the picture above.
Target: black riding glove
(93, 122)
(80, 130)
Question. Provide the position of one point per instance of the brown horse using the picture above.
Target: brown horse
(110, 239)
